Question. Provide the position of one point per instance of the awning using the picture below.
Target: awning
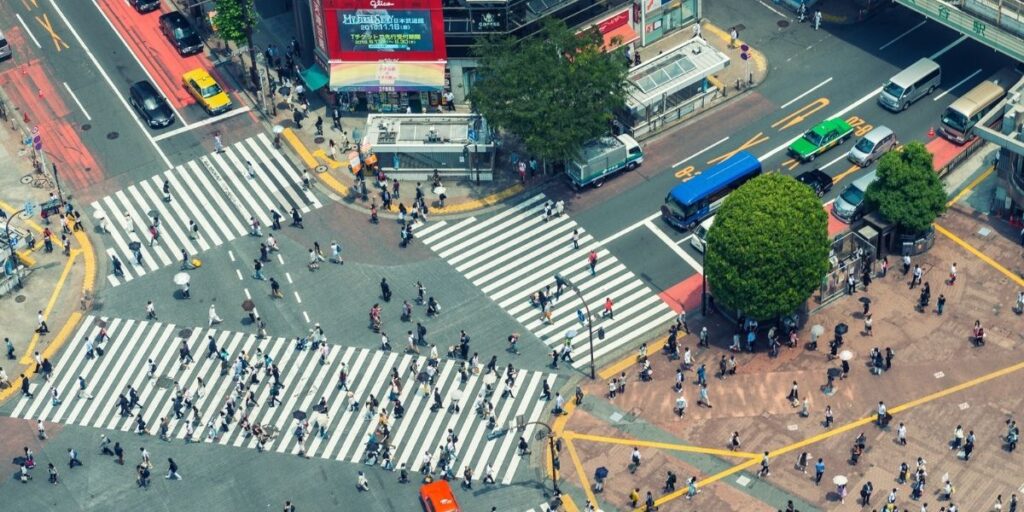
(314, 77)
(387, 75)
(625, 35)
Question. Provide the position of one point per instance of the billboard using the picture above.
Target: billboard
(373, 30)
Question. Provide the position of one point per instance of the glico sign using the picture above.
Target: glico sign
(372, 30)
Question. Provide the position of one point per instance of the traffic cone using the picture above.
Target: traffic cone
(931, 132)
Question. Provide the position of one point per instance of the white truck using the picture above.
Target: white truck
(603, 157)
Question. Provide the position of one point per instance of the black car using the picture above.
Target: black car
(180, 33)
(145, 5)
(151, 106)
(819, 182)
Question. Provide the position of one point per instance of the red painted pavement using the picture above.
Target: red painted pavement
(835, 226)
(34, 94)
(943, 151)
(685, 292)
(142, 33)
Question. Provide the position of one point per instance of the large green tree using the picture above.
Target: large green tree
(554, 90)
(768, 248)
(235, 20)
(908, 192)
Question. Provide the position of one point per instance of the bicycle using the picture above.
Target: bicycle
(42, 181)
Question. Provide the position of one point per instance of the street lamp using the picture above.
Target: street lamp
(521, 425)
(7, 240)
(703, 281)
(559, 279)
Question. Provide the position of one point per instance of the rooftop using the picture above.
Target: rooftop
(426, 129)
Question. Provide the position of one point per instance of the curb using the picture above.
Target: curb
(342, 190)
(760, 61)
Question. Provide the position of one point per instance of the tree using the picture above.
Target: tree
(768, 248)
(908, 192)
(235, 20)
(554, 90)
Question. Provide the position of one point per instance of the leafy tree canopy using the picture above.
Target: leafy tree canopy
(768, 248)
(555, 90)
(908, 192)
(234, 19)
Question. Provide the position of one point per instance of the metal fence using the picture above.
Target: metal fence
(850, 255)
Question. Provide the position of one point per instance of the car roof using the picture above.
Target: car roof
(440, 494)
(175, 17)
(877, 133)
(815, 174)
(201, 76)
(145, 88)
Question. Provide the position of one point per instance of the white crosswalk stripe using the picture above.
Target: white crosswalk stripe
(215, 191)
(515, 253)
(133, 344)
(544, 507)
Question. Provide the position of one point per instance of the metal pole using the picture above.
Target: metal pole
(56, 181)
(554, 471)
(590, 330)
(703, 283)
(7, 238)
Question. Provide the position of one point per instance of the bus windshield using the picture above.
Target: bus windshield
(955, 120)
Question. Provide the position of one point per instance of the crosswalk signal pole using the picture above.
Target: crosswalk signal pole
(555, 465)
(590, 321)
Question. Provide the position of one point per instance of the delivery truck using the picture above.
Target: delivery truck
(603, 157)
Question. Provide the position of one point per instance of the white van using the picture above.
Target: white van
(699, 240)
(909, 85)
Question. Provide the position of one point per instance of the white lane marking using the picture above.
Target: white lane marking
(139, 62)
(231, 254)
(901, 36)
(684, 239)
(808, 91)
(247, 296)
(306, 316)
(838, 158)
(103, 72)
(958, 84)
(239, 274)
(675, 248)
(948, 47)
(772, 9)
(297, 298)
(79, 103)
(695, 155)
(288, 276)
(208, 121)
(629, 228)
(280, 259)
(29, 32)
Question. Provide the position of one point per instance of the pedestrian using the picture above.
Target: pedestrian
(167, 191)
(915, 279)
(172, 470)
(214, 319)
(608, 308)
(53, 473)
(765, 469)
(952, 274)
(817, 20)
(218, 145)
(885, 267)
(73, 458)
(865, 494)
(697, 30)
(828, 416)
(575, 238)
(150, 311)
(969, 445)
(794, 395)
(819, 470)
(634, 460)
(592, 261)
(319, 125)
(733, 37)
(901, 434)
(41, 326)
(940, 304)
(867, 324)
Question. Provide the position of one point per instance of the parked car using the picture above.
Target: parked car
(145, 6)
(817, 180)
(5, 47)
(180, 33)
(824, 136)
(206, 91)
(872, 146)
(152, 107)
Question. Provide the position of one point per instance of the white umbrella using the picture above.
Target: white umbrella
(817, 330)
(490, 378)
(278, 129)
(839, 480)
(570, 334)
(181, 278)
(99, 215)
(440, 190)
(845, 355)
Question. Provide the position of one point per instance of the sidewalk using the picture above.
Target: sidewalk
(56, 283)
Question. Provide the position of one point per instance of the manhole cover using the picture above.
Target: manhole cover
(113, 135)
(86, 127)
(782, 23)
(185, 333)
(26, 179)
(19, 299)
(318, 140)
(320, 169)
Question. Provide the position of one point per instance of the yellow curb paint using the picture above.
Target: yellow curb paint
(300, 148)
(971, 185)
(9, 209)
(558, 425)
(333, 184)
(50, 351)
(89, 281)
(27, 358)
(580, 472)
(981, 256)
(476, 204)
(26, 258)
(715, 82)
(568, 504)
(659, 445)
(322, 155)
(623, 364)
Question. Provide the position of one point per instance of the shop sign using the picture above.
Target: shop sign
(489, 20)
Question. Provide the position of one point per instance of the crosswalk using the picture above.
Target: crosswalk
(215, 191)
(133, 343)
(515, 253)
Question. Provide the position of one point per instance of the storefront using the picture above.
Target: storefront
(382, 55)
(660, 17)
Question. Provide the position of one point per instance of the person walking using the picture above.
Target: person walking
(817, 20)
(218, 145)
(73, 458)
(592, 261)
(940, 304)
(275, 289)
(819, 470)
(214, 319)
(765, 466)
(901, 434)
(172, 470)
(41, 326)
(150, 311)
(53, 473)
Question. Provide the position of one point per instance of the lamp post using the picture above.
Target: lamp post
(559, 279)
(703, 282)
(7, 240)
(520, 426)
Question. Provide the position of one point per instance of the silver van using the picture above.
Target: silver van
(5, 47)
(699, 240)
(872, 146)
(910, 85)
(849, 206)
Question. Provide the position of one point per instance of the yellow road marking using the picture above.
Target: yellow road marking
(485, 201)
(27, 358)
(49, 352)
(981, 256)
(791, 164)
(579, 470)
(48, 26)
(300, 148)
(838, 177)
(322, 155)
(623, 364)
(753, 141)
(801, 114)
(988, 172)
(656, 444)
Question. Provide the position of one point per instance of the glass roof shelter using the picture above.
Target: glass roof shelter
(671, 86)
(413, 146)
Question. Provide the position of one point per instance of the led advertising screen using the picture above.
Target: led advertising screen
(385, 30)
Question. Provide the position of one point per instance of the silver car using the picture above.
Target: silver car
(872, 146)
(5, 47)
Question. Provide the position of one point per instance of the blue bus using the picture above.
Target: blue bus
(696, 199)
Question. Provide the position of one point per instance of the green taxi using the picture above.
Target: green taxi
(824, 136)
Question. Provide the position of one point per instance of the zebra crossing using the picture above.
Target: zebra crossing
(515, 253)
(132, 343)
(215, 191)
